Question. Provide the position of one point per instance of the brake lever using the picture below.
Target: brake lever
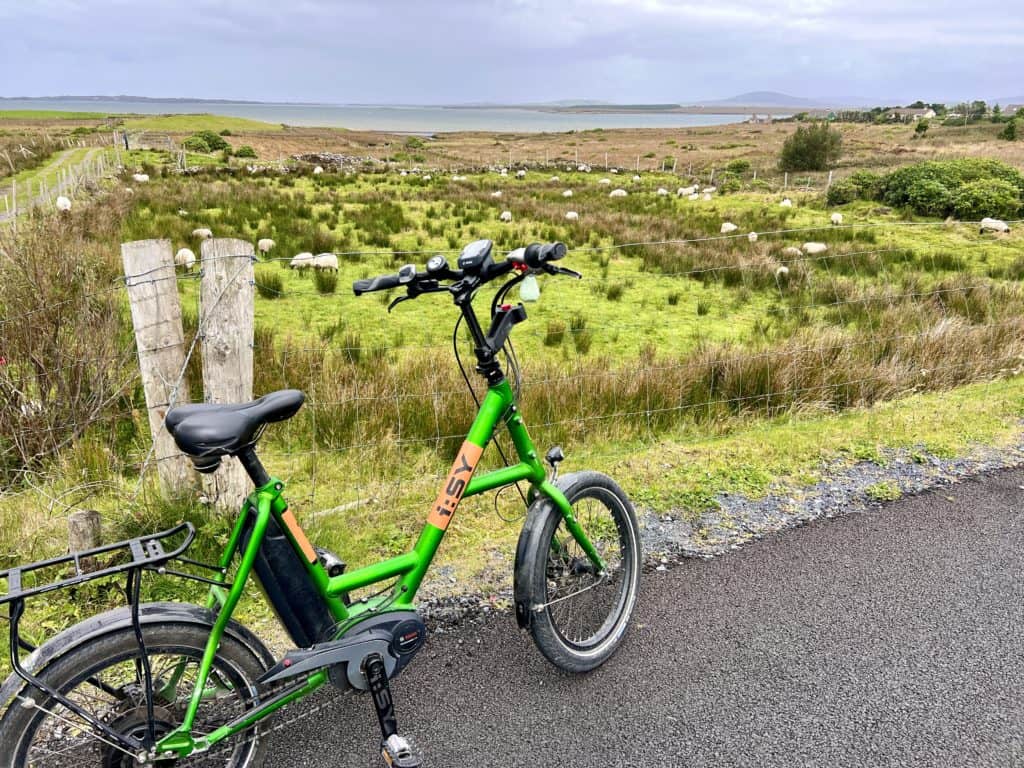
(553, 270)
(417, 289)
(395, 302)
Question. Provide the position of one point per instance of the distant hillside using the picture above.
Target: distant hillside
(765, 99)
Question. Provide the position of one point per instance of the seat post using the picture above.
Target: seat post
(253, 466)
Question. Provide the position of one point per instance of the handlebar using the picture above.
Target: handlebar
(476, 267)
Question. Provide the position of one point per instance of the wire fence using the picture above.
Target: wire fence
(873, 342)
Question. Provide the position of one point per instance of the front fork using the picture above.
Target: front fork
(572, 525)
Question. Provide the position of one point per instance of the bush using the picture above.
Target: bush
(225, 132)
(414, 142)
(737, 166)
(269, 284)
(987, 197)
(894, 188)
(1010, 132)
(245, 151)
(842, 192)
(811, 148)
(196, 144)
(555, 334)
(213, 140)
(325, 282)
(868, 183)
(930, 198)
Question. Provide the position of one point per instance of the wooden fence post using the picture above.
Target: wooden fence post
(156, 316)
(226, 306)
(84, 533)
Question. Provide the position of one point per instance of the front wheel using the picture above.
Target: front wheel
(576, 614)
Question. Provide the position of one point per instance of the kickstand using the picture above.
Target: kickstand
(396, 750)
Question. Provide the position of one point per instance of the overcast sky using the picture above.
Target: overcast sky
(445, 51)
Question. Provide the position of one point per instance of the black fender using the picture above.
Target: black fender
(529, 538)
(119, 619)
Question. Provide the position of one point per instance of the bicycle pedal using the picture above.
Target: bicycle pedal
(399, 752)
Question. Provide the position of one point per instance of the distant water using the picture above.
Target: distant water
(387, 118)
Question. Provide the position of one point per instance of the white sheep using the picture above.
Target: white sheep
(694, 196)
(604, 181)
(496, 193)
(685, 191)
(140, 178)
(710, 190)
(503, 172)
(325, 261)
(63, 204)
(403, 173)
(636, 177)
(728, 228)
(584, 169)
(792, 252)
(836, 219)
(202, 233)
(752, 237)
(317, 171)
(707, 196)
(567, 193)
(182, 212)
(572, 216)
(265, 245)
(662, 192)
(129, 191)
(617, 193)
(554, 178)
(520, 174)
(506, 216)
(301, 260)
(185, 258)
(427, 177)
(813, 249)
(781, 272)
(993, 225)
(786, 203)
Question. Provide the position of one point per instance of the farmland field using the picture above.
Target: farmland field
(687, 363)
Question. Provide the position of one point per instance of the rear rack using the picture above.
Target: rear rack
(145, 552)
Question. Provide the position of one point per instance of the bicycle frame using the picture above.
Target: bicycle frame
(498, 406)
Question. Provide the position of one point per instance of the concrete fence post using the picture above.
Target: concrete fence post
(226, 306)
(156, 317)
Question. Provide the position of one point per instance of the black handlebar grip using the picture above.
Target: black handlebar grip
(379, 283)
(554, 251)
(536, 254)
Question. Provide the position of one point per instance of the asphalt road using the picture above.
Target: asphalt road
(892, 637)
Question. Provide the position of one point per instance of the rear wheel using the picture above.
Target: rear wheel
(576, 614)
(103, 677)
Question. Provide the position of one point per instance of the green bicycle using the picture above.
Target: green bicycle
(180, 684)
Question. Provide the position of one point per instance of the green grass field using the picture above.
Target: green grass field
(48, 114)
(197, 122)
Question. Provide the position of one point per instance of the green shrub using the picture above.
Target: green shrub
(325, 282)
(196, 144)
(213, 140)
(952, 174)
(615, 291)
(582, 337)
(811, 148)
(868, 183)
(1011, 131)
(738, 166)
(921, 128)
(930, 198)
(555, 334)
(842, 192)
(728, 183)
(269, 283)
(226, 132)
(414, 142)
(987, 197)
(245, 151)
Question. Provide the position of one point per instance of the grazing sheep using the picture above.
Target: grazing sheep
(694, 196)
(613, 170)
(503, 172)
(317, 171)
(707, 196)
(752, 237)
(993, 225)
(567, 193)
(636, 177)
(786, 203)
(685, 191)
(202, 233)
(404, 173)
(506, 216)
(584, 169)
(185, 259)
(301, 261)
(427, 177)
(520, 174)
(496, 193)
(617, 193)
(182, 212)
(710, 190)
(792, 252)
(63, 204)
(728, 228)
(325, 261)
(781, 272)
(662, 192)
(572, 216)
(813, 249)
(604, 181)
(554, 178)
(140, 178)
(837, 219)
(265, 245)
